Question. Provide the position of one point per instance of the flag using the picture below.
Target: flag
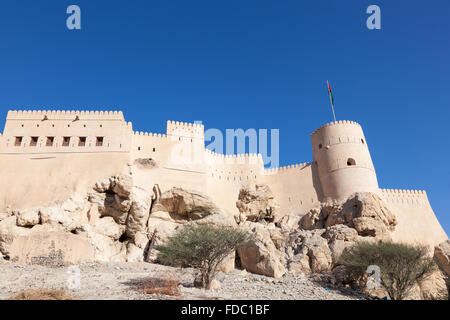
(330, 93)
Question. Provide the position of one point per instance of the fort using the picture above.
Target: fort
(47, 155)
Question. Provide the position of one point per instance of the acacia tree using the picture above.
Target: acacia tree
(203, 247)
(401, 265)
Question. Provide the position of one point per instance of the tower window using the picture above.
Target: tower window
(18, 141)
(66, 141)
(82, 141)
(362, 141)
(33, 141)
(154, 149)
(99, 141)
(351, 162)
(49, 142)
(320, 146)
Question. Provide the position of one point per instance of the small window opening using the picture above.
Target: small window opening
(351, 162)
(320, 146)
(362, 141)
(33, 141)
(18, 141)
(99, 141)
(66, 141)
(139, 148)
(49, 142)
(154, 149)
(82, 142)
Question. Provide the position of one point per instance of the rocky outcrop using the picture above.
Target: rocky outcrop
(263, 257)
(442, 256)
(187, 204)
(256, 204)
(365, 212)
(51, 249)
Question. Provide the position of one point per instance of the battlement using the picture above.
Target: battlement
(64, 115)
(286, 168)
(233, 159)
(184, 129)
(340, 122)
(149, 134)
(404, 197)
(402, 191)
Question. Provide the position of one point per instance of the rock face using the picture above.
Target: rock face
(256, 204)
(51, 249)
(365, 212)
(118, 221)
(187, 205)
(442, 256)
(115, 221)
(263, 257)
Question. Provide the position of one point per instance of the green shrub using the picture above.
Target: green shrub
(401, 265)
(203, 247)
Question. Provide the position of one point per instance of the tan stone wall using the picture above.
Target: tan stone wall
(296, 188)
(36, 175)
(36, 179)
(417, 222)
(65, 131)
(334, 146)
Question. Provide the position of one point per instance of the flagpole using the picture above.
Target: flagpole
(331, 101)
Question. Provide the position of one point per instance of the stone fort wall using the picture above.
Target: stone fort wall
(47, 155)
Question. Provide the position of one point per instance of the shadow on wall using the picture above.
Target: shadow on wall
(316, 182)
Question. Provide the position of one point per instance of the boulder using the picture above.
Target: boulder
(434, 287)
(365, 212)
(108, 227)
(442, 256)
(340, 232)
(4, 215)
(299, 264)
(122, 185)
(227, 265)
(319, 253)
(139, 212)
(106, 249)
(74, 203)
(186, 205)
(256, 204)
(262, 257)
(112, 205)
(28, 217)
(8, 232)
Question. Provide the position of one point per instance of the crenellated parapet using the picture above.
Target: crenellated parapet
(340, 122)
(233, 159)
(401, 196)
(150, 134)
(63, 115)
(186, 130)
(287, 168)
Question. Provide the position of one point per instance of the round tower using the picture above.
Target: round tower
(343, 161)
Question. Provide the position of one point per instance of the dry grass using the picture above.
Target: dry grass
(42, 294)
(159, 286)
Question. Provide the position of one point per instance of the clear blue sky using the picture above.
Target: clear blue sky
(248, 64)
